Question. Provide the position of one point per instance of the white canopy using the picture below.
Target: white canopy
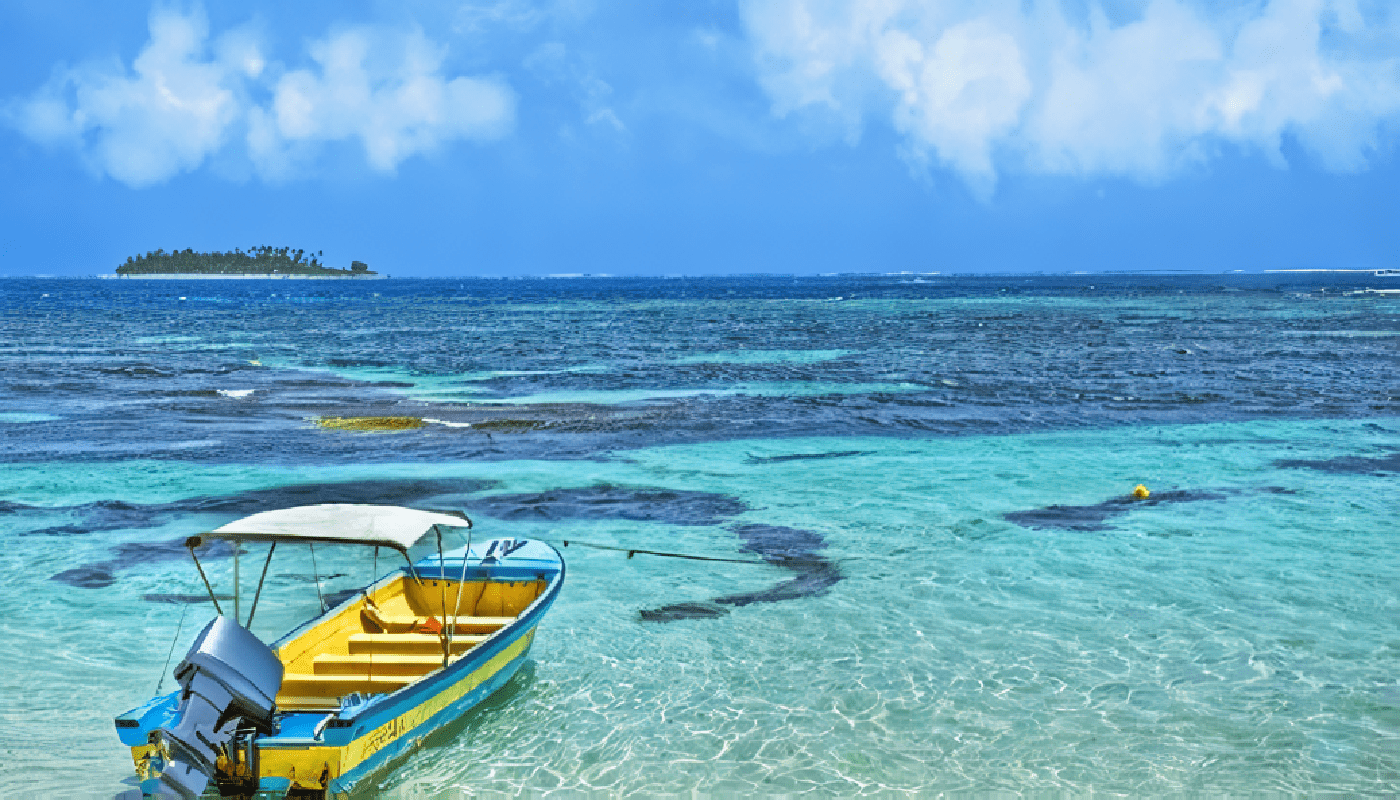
(386, 526)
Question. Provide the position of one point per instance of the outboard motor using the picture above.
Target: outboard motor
(228, 676)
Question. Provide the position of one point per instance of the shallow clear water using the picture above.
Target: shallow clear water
(969, 603)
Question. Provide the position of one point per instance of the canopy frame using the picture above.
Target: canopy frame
(283, 526)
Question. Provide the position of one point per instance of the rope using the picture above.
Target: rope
(161, 683)
(632, 551)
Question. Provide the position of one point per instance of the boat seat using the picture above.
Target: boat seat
(311, 679)
(378, 663)
(296, 703)
(386, 643)
(306, 692)
(463, 624)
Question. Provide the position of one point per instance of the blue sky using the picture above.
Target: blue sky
(506, 137)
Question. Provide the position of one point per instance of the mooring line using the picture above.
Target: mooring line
(632, 551)
(161, 683)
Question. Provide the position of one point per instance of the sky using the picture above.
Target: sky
(709, 137)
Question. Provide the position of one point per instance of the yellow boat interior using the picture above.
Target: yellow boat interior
(393, 635)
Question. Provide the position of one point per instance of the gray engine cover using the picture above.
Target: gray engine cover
(228, 675)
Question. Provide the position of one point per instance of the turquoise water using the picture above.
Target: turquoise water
(1232, 646)
(1000, 622)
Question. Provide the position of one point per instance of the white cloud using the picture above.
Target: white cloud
(186, 98)
(986, 87)
(163, 117)
(486, 17)
(382, 88)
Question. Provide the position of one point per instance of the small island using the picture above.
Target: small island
(256, 262)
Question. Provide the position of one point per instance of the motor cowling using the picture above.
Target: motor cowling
(228, 677)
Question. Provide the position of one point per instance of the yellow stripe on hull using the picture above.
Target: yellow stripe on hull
(312, 767)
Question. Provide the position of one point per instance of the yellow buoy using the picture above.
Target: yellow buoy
(1140, 492)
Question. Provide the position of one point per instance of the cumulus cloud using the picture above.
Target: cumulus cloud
(382, 88)
(164, 116)
(187, 97)
(986, 87)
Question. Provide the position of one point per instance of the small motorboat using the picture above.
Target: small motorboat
(346, 693)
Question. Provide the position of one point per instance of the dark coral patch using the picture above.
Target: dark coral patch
(805, 456)
(182, 599)
(790, 548)
(118, 515)
(679, 611)
(131, 554)
(113, 515)
(1356, 465)
(93, 576)
(1094, 517)
(605, 501)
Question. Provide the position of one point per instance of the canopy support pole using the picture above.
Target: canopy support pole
(258, 593)
(190, 543)
(411, 570)
(442, 572)
(235, 580)
(462, 581)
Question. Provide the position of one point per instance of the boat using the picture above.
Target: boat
(347, 693)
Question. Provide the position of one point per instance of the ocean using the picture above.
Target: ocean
(945, 589)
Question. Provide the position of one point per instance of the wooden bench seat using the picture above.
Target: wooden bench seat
(303, 703)
(303, 684)
(379, 663)
(422, 643)
(462, 624)
(371, 673)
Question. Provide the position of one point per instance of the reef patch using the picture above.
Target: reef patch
(101, 574)
(793, 549)
(1094, 517)
(119, 515)
(1354, 465)
(605, 501)
(752, 459)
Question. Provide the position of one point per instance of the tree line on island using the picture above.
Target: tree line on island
(262, 260)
